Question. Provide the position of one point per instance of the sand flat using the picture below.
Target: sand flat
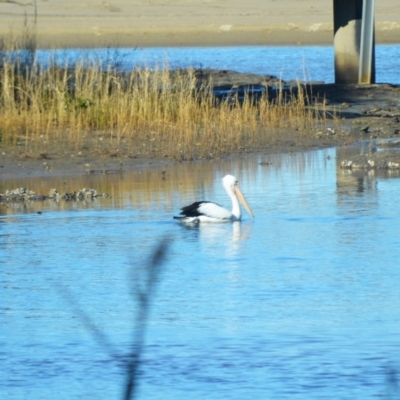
(96, 23)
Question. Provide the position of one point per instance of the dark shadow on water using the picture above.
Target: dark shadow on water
(392, 383)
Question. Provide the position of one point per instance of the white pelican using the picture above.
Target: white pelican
(206, 211)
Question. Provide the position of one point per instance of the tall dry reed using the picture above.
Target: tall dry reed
(146, 112)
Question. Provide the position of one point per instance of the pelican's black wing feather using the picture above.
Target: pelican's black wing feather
(193, 209)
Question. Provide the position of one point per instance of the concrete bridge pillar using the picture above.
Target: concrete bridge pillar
(354, 41)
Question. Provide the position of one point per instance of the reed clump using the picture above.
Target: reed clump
(144, 112)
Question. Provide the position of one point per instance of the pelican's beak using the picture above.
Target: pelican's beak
(242, 199)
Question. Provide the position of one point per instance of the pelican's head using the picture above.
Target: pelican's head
(229, 181)
(231, 185)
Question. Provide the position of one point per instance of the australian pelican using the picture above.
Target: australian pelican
(206, 211)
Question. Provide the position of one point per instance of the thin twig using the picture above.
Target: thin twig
(89, 324)
(144, 297)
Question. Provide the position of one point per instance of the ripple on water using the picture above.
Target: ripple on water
(300, 302)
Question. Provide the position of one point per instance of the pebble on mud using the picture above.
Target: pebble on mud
(24, 195)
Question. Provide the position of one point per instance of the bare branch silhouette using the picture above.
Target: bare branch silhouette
(143, 295)
(88, 323)
(148, 273)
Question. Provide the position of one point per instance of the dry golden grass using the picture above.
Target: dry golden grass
(141, 113)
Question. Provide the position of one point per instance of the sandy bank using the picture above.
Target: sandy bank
(143, 23)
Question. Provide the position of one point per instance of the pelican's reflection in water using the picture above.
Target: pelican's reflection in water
(241, 230)
(224, 239)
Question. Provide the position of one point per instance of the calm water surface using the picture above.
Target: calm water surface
(302, 302)
(314, 63)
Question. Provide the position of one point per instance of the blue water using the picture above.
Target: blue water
(301, 302)
(307, 63)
